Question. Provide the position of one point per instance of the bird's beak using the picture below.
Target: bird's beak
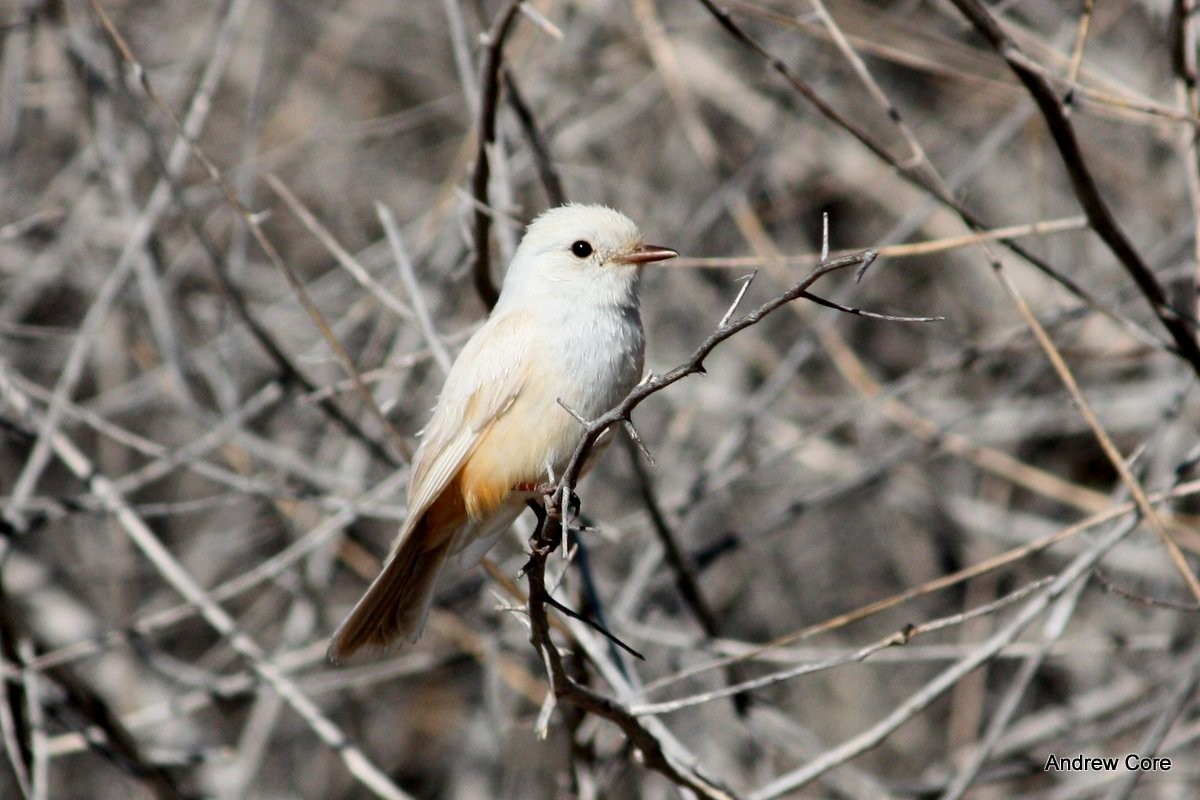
(647, 253)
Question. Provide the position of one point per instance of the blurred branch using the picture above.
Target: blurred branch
(1173, 702)
(927, 179)
(1183, 61)
(551, 182)
(686, 581)
(22, 713)
(936, 585)
(1053, 628)
(921, 699)
(408, 277)
(14, 723)
(243, 582)
(347, 261)
(897, 639)
(1140, 599)
(1181, 328)
(193, 122)
(173, 572)
(489, 94)
(1106, 444)
(918, 157)
(188, 143)
(1081, 34)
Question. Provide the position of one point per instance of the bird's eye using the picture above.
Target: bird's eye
(581, 249)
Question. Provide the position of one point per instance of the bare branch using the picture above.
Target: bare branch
(1181, 328)
(493, 51)
(693, 365)
(565, 688)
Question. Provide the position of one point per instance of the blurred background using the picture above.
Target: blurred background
(194, 493)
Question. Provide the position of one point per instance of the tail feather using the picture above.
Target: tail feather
(398, 601)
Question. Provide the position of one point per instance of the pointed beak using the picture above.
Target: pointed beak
(647, 253)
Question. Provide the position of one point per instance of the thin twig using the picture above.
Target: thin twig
(193, 122)
(693, 365)
(921, 699)
(409, 276)
(889, 251)
(896, 639)
(1081, 34)
(1183, 60)
(39, 785)
(1102, 438)
(1174, 701)
(685, 574)
(371, 777)
(931, 184)
(252, 222)
(1181, 330)
(547, 173)
(936, 585)
(566, 689)
(347, 261)
(1052, 630)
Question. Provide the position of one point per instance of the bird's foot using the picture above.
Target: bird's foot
(554, 505)
(550, 498)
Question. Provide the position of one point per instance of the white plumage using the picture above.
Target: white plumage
(567, 327)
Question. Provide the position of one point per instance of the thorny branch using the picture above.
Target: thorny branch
(694, 364)
(543, 543)
(548, 537)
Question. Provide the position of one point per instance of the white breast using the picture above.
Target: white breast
(594, 361)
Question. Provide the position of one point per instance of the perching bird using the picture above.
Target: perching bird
(566, 328)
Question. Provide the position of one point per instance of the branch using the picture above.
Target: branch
(693, 365)
(542, 544)
(897, 638)
(182, 581)
(1180, 328)
(547, 174)
(186, 143)
(933, 185)
(488, 99)
(871, 737)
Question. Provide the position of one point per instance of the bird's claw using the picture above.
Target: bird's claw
(554, 504)
(550, 493)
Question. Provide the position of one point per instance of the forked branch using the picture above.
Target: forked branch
(695, 363)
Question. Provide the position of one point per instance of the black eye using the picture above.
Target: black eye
(581, 249)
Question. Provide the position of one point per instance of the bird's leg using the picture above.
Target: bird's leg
(554, 498)
(549, 490)
(543, 488)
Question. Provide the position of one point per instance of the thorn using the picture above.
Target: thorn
(825, 237)
(868, 259)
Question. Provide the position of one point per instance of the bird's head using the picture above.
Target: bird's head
(581, 248)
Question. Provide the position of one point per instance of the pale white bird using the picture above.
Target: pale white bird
(567, 327)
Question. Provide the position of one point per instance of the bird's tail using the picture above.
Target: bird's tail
(397, 603)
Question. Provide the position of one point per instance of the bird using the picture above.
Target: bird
(565, 331)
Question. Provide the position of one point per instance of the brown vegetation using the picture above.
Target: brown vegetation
(873, 556)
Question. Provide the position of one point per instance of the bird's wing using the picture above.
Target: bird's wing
(486, 378)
